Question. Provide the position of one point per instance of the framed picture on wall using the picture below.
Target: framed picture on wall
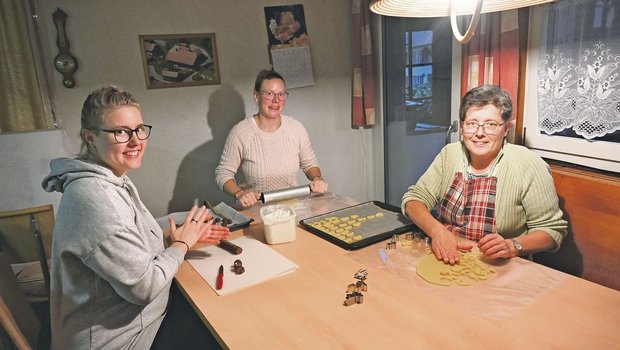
(176, 60)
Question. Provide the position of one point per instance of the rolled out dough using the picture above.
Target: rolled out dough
(469, 270)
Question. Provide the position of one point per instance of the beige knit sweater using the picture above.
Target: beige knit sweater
(267, 160)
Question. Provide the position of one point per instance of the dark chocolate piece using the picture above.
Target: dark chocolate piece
(238, 267)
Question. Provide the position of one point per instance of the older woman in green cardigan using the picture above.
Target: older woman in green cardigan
(488, 191)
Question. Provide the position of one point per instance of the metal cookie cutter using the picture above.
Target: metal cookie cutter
(354, 290)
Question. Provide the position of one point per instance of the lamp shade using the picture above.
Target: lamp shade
(441, 8)
(452, 8)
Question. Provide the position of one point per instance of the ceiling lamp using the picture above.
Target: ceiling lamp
(452, 8)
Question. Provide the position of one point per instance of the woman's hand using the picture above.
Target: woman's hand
(214, 234)
(197, 227)
(495, 246)
(446, 246)
(318, 185)
(247, 199)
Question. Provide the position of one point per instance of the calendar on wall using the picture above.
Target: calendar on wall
(294, 64)
(289, 45)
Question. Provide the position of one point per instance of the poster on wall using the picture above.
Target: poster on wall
(286, 26)
(289, 47)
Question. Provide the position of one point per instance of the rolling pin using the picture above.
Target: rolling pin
(283, 194)
(230, 247)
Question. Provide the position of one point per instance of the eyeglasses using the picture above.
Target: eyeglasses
(489, 128)
(123, 135)
(270, 95)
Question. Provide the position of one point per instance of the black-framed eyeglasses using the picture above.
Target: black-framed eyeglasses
(489, 128)
(123, 135)
(270, 95)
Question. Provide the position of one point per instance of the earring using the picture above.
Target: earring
(93, 145)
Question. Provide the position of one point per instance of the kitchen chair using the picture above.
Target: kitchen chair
(26, 239)
(17, 317)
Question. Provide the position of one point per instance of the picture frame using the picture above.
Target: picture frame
(178, 60)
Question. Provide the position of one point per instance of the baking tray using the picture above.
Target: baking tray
(222, 211)
(359, 225)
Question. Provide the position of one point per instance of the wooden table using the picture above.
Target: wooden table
(304, 309)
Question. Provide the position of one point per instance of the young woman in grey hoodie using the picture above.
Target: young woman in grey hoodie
(112, 265)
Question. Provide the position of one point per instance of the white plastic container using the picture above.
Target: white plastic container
(279, 223)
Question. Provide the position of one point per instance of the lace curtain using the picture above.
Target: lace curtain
(578, 71)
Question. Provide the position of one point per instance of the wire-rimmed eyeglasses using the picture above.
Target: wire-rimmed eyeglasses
(123, 135)
(270, 95)
(489, 128)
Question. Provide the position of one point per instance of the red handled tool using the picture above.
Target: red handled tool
(220, 278)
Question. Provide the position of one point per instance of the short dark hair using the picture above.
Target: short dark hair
(265, 74)
(484, 95)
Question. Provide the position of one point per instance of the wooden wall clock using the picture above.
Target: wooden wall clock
(64, 62)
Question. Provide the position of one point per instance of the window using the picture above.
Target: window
(418, 65)
(571, 114)
(419, 74)
(417, 81)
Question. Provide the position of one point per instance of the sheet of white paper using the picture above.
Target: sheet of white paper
(294, 64)
(261, 263)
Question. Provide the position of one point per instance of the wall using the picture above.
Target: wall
(191, 123)
(20, 173)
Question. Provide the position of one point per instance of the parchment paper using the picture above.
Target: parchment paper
(518, 281)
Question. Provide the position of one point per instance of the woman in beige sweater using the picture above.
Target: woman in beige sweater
(268, 148)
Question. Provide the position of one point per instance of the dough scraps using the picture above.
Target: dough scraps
(469, 270)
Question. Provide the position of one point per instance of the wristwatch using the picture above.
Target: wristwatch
(518, 246)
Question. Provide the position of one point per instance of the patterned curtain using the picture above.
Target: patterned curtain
(22, 104)
(578, 71)
(492, 56)
(363, 100)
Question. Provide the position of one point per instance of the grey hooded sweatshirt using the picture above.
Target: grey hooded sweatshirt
(110, 273)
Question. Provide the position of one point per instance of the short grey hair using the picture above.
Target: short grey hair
(484, 95)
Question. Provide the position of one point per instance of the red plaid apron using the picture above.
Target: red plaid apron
(468, 208)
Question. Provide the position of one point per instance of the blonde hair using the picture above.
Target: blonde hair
(95, 109)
